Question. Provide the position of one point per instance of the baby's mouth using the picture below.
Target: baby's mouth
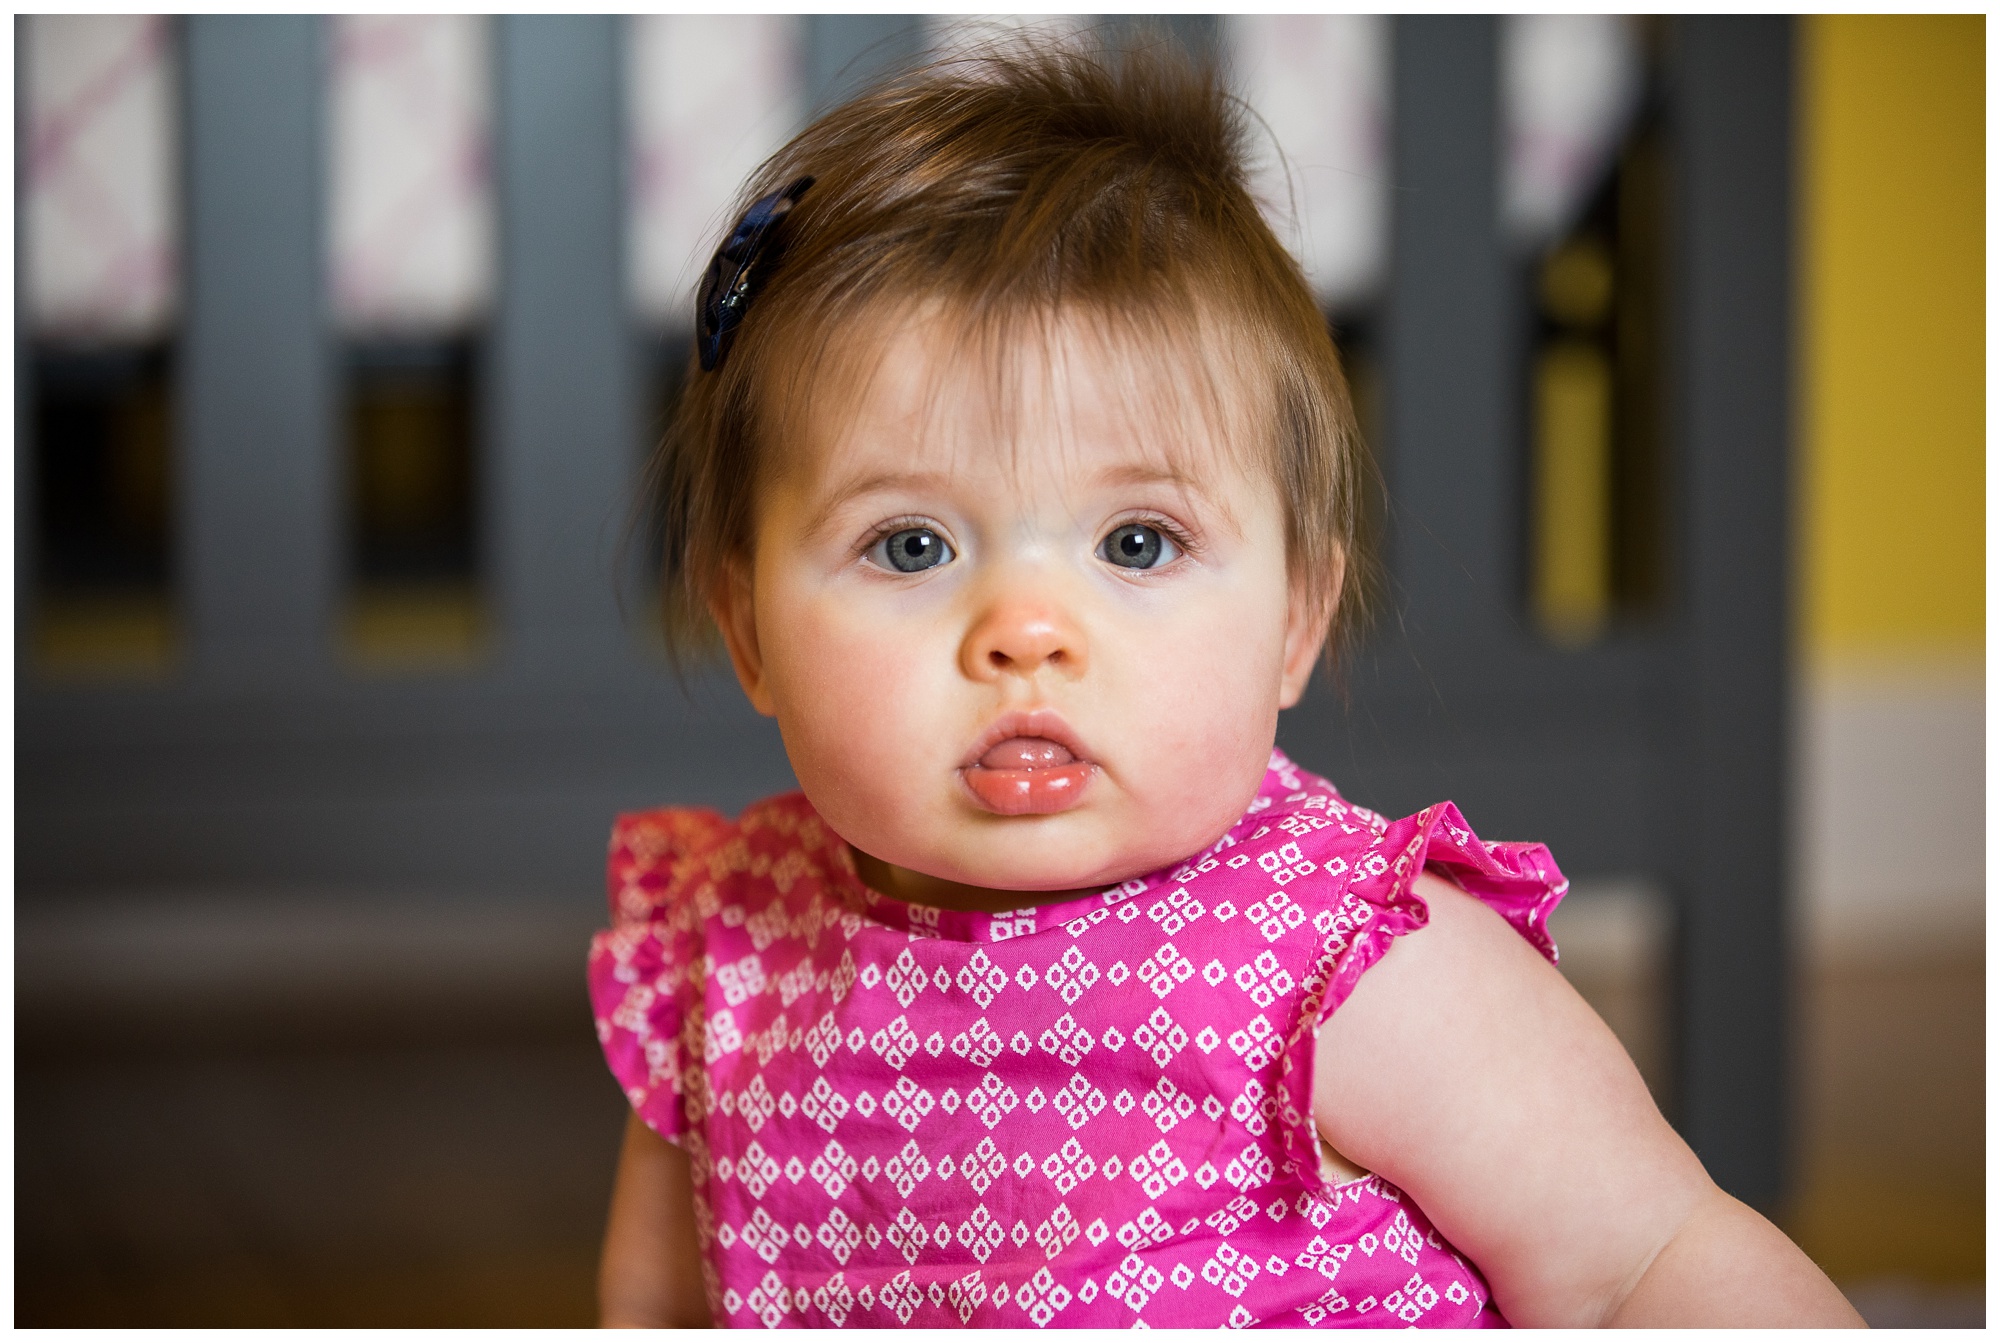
(1028, 776)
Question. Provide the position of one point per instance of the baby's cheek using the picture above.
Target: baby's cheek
(851, 704)
(1222, 678)
(1214, 762)
(1211, 714)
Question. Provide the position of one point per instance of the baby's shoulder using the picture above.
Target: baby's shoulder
(1311, 854)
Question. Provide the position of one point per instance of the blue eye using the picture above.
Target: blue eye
(911, 550)
(1137, 546)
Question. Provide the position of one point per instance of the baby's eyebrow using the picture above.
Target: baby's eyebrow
(1132, 474)
(1125, 475)
(878, 482)
(1138, 473)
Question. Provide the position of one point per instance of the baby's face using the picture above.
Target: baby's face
(1039, 658)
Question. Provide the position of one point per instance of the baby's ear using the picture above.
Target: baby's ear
(733, 606)
(1308, 615)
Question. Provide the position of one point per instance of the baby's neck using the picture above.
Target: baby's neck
(916, 888)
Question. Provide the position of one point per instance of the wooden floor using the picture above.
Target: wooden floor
(463, 1181)
(428, 1186)
(1892, 1144)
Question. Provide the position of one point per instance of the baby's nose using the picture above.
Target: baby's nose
(1022, 639)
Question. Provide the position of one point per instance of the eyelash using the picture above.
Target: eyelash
(1182, 540)
(884, 530)
(1186, 544)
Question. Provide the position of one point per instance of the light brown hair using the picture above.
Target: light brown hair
(1011, 183)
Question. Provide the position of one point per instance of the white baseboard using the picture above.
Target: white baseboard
(1889, 808)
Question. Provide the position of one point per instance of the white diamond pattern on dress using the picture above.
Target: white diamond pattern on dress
(983, 1167)
(1230, 1269)
(1275, 915)
(907, 1103)
(741, 980)
(905, 980)
(1157, 1169)
(834, 1169)
(979, 1043)
(1250, 1168)
(1067, 1040)
(900, 1117)
(769, 1300)
(1079, 1102)
(1286, 864)
(895, 1042)
(908, 1235)
(763, 1234)
(823, 1105)
(1068, 1166)
(982, 979)
(757, 1169)
(1072, 975)
(992, 1100)
(1165, 969)
(1134, 1282)
(966, 1295)
(1162, 1037)
(1042, 1297)
(1258, 1042)
(839, 1234)
(901, 1295)
(1166, 1105)
(981, 1233)
(1264, 979)
(1058, 1231)
(1175, 912)
(907, 1168)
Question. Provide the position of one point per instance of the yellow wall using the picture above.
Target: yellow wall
(1894, 335)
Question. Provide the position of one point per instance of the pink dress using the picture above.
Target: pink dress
(1096, 1113)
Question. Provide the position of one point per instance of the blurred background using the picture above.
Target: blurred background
(340, 344)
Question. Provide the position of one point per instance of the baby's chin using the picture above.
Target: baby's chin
(1014, 857)
(1109, 838)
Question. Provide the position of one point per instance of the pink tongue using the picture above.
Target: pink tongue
(1026, 753)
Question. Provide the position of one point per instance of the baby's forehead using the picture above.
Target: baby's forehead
(1081, 393)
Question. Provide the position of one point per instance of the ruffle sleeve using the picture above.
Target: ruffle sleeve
(1520, 882)
(1379, 904)
(639, 967)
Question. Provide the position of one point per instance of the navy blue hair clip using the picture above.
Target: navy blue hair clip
(736, 272)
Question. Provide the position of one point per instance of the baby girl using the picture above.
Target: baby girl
(1017, 474)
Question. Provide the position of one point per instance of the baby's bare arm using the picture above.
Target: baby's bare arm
(1728, 1266)
(650, 1276)
(1466, 1071)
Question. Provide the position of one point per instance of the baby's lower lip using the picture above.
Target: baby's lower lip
(1028, 776)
